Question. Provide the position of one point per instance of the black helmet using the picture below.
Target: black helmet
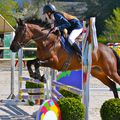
(49, 8)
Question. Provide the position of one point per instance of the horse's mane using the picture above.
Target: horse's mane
(44, 24)
(39, 22)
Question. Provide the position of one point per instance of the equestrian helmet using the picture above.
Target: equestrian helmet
(49, 8)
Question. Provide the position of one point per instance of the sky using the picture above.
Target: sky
(20, 2)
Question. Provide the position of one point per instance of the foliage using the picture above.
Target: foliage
(110, 110)
(98, 8)
(32, 9)
(67, 93)
(112, 32)
(7, 10)
(11, 10)
(71, 109)
(101, 9)
(102, 39)
(33, 85)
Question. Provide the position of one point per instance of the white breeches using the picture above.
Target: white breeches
(73, 35)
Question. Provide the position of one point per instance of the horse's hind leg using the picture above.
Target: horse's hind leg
(97, 73)
(109, 66)
(110, 70)
(115, 77)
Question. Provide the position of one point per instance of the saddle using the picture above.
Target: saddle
(66, 45)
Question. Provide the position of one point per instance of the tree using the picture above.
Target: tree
(10, 9)
(7, 10)
(101, 9)
(112, 27)
(30, 9)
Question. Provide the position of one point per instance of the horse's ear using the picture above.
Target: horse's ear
(20, 22)
(17, 20)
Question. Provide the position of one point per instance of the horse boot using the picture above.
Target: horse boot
(78, 50)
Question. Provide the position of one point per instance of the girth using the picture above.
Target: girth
(67, 62)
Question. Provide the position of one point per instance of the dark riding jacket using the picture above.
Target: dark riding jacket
(66, 22)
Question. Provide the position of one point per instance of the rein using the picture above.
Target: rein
(47, 35)
(22, 43)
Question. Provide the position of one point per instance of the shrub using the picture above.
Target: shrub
(67, 93)
(110, 110)
(71, 109)
(33, 85)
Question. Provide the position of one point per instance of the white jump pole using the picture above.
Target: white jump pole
(87, 61)
(20, 57)
(12, 96)
(53, 77)
(85, 81)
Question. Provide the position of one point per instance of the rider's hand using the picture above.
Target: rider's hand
(55, 29)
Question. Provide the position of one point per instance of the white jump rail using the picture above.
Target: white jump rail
(24, 49)
(13, 59)
(29, 49)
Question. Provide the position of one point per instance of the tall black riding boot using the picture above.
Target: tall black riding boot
(77, 49)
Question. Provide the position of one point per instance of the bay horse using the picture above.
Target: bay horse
(50, 53)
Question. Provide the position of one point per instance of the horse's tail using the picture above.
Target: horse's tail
(118, 61)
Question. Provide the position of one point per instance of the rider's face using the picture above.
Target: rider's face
(50, 18)
(49, 14)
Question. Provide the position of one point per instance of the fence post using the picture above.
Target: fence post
(90, 44)
(12, 96)
(20, 57)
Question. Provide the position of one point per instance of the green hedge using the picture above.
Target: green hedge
(67, 93)
(33, 85)
(71, 109)
(71, 106)
(110, 110)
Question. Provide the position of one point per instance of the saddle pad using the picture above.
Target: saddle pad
(66, 45)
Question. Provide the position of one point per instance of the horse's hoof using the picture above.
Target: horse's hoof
(39, 77)
(43, 79)
(36, 76)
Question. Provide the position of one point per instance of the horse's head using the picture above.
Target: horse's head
(22, 36)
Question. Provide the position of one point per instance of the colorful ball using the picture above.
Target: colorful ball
(49, 110)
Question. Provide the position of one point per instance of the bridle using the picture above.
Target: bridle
(23, 42)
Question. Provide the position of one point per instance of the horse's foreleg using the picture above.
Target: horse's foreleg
(36, 64)
(37, 74)
(48, 63)
(29, 67)
(99, 74)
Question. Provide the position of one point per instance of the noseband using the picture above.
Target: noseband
(23, 42)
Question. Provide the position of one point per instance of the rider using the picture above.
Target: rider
(61, 21)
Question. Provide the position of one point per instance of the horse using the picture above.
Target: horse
(51, 53)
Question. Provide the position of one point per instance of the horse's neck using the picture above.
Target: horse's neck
(48, 42)
(41, 38)
(35, 30)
